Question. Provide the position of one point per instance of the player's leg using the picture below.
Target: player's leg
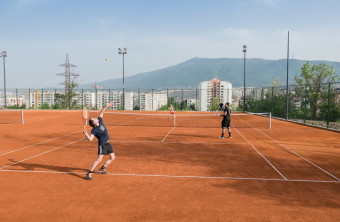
(229, 130)
(107, 162)
(109, 151)
(223, 129)
(94, 164)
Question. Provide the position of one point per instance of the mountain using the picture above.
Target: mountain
(259, 73)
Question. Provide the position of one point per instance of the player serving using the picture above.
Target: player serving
(226, 120)
(104, 147)
(171, 113)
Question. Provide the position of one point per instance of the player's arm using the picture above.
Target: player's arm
(103, 110)
(89, 137)
(224, 113)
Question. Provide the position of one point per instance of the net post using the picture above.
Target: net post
(270, 120)
(174, 120)
(22, 117)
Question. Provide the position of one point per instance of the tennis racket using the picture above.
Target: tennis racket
(85, 116)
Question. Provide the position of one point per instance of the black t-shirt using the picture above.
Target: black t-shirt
(227, 113)
(100, 132)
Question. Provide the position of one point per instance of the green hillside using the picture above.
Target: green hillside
(259, 72)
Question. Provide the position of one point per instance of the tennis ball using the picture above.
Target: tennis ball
(106, 59)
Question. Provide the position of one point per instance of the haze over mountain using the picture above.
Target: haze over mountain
(259, 73)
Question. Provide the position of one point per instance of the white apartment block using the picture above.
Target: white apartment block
(209, 90)
(152, 101)
(37, 98)
(12, 99)
(117, 98)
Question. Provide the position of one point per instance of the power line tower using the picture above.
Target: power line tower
(69, 79)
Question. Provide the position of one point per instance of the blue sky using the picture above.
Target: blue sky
(37, 34)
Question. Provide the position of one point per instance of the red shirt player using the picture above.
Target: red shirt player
(171, 111)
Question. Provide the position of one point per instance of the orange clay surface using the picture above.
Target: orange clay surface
(165, 173)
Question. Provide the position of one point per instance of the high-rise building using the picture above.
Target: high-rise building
(152, 101)
(215, 88)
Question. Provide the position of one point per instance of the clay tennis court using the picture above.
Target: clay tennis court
(164, 172)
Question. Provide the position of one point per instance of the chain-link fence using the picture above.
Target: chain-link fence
(310, 104)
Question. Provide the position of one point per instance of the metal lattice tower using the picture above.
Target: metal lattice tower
(68, 75)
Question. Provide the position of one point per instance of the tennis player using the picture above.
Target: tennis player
(104, 147)
(171, 111)
(220, 107)
(226, 120)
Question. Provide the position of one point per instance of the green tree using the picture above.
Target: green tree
(64, 101)
(314, 79)
(44, 106)
(215, 105)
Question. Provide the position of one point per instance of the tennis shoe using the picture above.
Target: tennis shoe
(221, 137)
(102, 171)
(229, 137)
(88, 176)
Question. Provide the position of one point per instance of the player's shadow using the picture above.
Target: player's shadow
(61, 169)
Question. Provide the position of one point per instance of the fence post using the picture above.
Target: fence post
(16, 92)
(111, 100)
(152, 100)
(42, 98)
(254, 95)
(305, 111)
(262, 100)
(97, 98)
(329, 99)
(82, 98)
(196, 107)
(55, 92)
(182, 100)
(272, 99)
(29, 97)
(139, 98)
(167, 96)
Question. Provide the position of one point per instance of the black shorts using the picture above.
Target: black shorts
(225, 123)
(105, 149)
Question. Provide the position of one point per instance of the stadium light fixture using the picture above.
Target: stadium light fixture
(123, 52)
(3, 54)
(244, 77)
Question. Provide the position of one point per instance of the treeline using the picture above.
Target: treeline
(315, 97)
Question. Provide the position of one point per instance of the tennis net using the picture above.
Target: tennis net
(182, 119)
(11, 116)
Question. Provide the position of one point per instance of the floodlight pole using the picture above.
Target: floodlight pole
(244, 77)
(3, 54)
(123, 52)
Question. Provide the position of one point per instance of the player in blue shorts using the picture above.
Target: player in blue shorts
(104, 147)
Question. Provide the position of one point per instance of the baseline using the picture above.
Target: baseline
(179, 176)
(57, 148)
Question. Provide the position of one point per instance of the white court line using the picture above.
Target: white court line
(39, 143)
(56, 148)
(12, 151)
(42, 118)
(294, 153)
(170, 131)
(262, 155)
(179, 176)
(40, 154)
(171, 142)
